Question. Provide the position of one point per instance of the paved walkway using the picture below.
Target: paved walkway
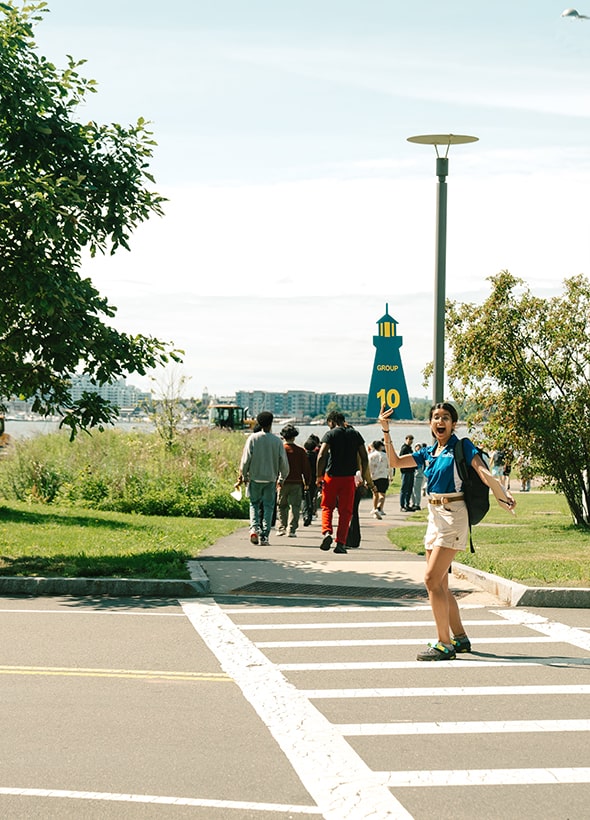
(377, 570)
(297, 567)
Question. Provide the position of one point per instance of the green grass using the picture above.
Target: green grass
(40, 540)
(538, 546)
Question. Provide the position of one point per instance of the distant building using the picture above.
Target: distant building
(124, 396)
(119, 393)
(298, 403)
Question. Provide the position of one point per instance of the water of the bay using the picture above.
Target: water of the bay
(27, 428)
(372, 432)
(20, 429)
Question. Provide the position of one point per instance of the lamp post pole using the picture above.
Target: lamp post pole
(442, 170)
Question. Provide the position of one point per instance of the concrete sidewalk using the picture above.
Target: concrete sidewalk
(296, 567)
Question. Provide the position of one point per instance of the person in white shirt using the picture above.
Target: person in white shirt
(264, 461)
(379, 467)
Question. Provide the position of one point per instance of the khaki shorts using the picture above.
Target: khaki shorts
(448, 526)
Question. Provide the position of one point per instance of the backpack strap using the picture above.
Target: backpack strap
(460, 460)
(464, 476)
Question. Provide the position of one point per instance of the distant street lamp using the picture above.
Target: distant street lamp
(442, 169)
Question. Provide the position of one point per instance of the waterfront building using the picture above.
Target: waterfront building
(118, 392)
(298, 404)
(124, 396)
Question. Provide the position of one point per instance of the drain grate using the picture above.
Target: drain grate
(325, 591)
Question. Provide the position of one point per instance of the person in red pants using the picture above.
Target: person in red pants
(341, 452)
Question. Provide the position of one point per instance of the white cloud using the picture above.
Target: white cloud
(276, 286)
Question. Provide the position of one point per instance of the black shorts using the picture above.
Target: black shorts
(382, 484)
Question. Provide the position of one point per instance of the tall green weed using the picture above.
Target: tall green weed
(128, 472)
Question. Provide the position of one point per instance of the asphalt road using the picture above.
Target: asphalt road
(262, 708)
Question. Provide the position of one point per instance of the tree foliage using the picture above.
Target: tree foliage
(66, 187)
(524, 361)
(168, 407)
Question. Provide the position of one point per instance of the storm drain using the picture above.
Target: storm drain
(326, 591)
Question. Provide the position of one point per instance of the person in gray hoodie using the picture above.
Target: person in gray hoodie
(264, 460)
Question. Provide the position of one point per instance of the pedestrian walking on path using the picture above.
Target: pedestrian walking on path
(447, 531)
(418, 482)
(263, 460)
(310, 496)
(292, 486)
(405, 495)
(379, 467)
(342, 450)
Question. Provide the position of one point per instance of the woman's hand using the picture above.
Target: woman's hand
(502, 496)
(508, 502)
(384, 416)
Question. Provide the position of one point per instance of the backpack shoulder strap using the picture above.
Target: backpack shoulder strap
(460, 460)
(464, 476)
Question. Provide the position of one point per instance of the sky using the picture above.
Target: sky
(297, 209)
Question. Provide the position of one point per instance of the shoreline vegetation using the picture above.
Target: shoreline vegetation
(120, 504)
(116, 504)
(127, 472)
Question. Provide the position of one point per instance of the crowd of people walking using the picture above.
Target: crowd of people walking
(283, 478)
(320, 478)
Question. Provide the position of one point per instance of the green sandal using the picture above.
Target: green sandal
(437, 652)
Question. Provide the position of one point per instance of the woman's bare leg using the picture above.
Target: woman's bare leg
(436, 580)
(455, 621)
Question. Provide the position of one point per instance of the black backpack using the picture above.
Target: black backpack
(477, 494)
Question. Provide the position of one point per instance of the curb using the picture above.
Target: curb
(515, 594)
(197, 586)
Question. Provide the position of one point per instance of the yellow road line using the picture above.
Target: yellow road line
(135, 674)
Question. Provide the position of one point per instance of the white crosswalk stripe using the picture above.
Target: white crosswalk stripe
(484, 777)
(447, 692)
(471, 727)
(389, 642)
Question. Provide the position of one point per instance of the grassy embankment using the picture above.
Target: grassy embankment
(116, 504)
(68, 542)
(538, 546)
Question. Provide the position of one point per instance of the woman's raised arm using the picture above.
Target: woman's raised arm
(394, 459)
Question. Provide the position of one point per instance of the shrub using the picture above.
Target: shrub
(128, 472)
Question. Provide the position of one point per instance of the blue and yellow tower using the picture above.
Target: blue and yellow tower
(388, 384)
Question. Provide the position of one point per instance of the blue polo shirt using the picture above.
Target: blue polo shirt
(440, 471)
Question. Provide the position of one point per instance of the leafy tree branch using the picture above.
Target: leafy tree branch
(524, 362)
(66, 187)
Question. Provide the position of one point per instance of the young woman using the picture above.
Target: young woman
(448, 526)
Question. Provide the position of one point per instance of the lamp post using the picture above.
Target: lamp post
(442, 170)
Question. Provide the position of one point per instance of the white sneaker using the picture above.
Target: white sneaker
(377, 514)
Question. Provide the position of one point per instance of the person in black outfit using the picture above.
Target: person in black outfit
(353, 539)
(310, 498)
(405, 496)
